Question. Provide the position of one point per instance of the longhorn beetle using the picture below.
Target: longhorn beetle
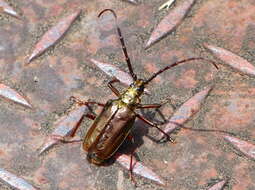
(112, 126)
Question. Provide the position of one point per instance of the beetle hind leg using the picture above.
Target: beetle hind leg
(131, 164)
(131, 174)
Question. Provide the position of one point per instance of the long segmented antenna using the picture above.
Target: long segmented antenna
(177, 63)
(124, 49)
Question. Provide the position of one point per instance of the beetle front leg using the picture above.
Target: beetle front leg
(154, 125)
(80, 102)
(113, 89)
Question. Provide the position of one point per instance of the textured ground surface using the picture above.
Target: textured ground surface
(198, 159)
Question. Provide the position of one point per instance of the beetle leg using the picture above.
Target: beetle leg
(131, 167)
(71, 138)
(90, 116)
(66, 139)
(131, 164)
(130, 138)
(80, 102)
(146, 106)
(113, 89)
(154, 125)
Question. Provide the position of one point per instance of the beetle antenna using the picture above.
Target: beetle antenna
(177, 63)
(124, 49)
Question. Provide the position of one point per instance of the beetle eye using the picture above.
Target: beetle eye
(141, 89)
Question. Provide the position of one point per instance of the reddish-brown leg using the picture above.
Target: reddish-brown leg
(80, 102)
(90, 116)
(131, 138)
(113, 89)
(71, 139)
(74, 139)
(131, 168)
(155, 125)
(147, 106)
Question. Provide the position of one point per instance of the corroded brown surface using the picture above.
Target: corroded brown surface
(199, 159)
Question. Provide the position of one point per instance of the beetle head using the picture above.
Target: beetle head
(133, 93)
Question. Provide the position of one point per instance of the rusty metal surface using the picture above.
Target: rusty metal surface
(199, 159)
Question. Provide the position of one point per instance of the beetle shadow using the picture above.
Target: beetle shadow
(158, 118)
(141, 129)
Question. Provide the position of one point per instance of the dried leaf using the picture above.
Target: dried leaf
(8, 9)
(53, 35)
(233, 60)
(14, 181)
(138, 168)
(246, 148)
(10, 94)
(218, 186)
(186, 111)
(170, 22)
(65, 127)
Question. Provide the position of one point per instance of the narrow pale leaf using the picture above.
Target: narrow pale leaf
(218, 186)
(245, 147)
(170, 22)
(186, 111)
(53, 35)
(138, 168)
(10, 94)
(8, 9)
(236, 62)
(14, 181)
(65, 127)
